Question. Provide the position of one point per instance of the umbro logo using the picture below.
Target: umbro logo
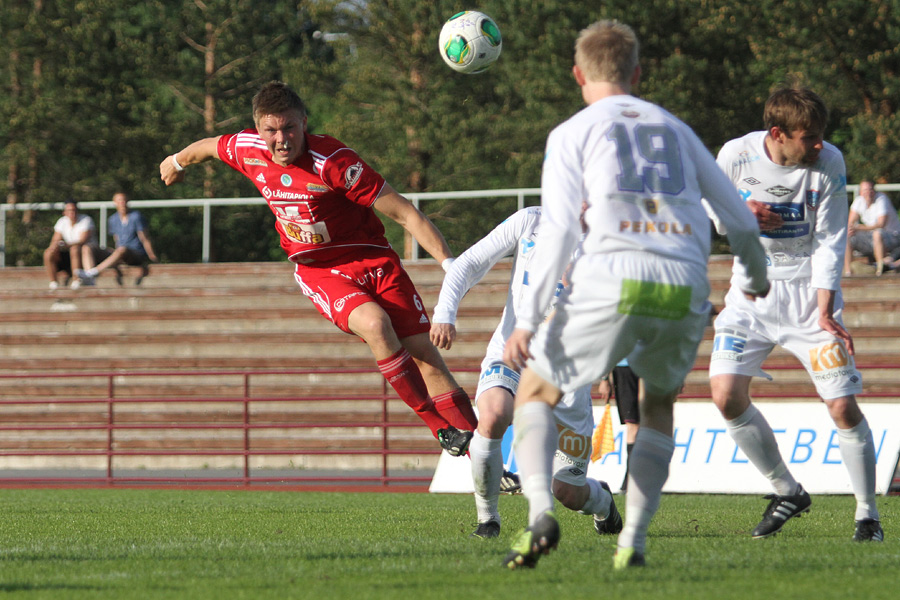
(752, 180)
(779, 190)
(260, 178)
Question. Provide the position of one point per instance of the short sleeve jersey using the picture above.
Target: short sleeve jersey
(322, 202)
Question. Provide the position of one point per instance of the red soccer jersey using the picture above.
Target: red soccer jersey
(322, 201)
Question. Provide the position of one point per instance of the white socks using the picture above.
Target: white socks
(649, 469)
(487, 469)
(598, 502)
(858, 453)
(754, 436)
(535, 443)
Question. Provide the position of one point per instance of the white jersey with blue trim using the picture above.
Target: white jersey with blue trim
(513, 237)
(812, 201)
(642, 172)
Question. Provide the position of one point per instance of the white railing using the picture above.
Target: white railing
(208, 203)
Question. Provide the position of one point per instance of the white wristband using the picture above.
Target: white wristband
(175, 164)
(445, 264)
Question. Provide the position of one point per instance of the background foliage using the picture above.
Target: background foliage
(94, 93)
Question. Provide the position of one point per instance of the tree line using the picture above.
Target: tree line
(96, 92)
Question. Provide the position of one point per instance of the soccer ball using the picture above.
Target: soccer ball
(470, 42)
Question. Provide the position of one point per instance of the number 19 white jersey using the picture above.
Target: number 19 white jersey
(642, 172)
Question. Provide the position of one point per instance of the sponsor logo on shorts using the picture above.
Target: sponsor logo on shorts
(352, 175)
(423, 319)
(254, 161)
(341, 302)
(831, 361)
(577, 446)
(729, 345)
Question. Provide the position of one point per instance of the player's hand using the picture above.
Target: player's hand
(851, 229)
(515, 353)
(443, 335)
(829, 324)
(604, 390)
(168, 173)
(765, 217)
(752, 296)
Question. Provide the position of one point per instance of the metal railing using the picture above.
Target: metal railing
(47, 428)
(107, 207)
(208, 203)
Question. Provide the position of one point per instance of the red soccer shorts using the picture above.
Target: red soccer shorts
(373, 275)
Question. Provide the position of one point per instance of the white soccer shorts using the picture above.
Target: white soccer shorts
(574, 421)
(647, 308)
(747, 332)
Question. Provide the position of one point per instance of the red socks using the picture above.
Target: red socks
(404, 376)
(456, 407)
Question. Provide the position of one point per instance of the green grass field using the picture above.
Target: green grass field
(109, 543)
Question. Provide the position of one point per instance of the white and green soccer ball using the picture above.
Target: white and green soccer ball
(470, 42)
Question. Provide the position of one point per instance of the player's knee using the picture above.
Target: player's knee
(568, 495)
(493, 423)
(845, 412)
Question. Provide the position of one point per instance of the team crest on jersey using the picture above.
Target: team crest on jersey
(316, 187)
(812, 199)
(352, 175)
(286, 180)
(258, 162)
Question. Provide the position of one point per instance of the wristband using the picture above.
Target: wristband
(175, 164)
(446, 263)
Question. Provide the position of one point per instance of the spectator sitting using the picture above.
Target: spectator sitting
(73, 245)
(133, 246)
(879, 232)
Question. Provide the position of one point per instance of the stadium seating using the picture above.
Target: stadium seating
(227, 319)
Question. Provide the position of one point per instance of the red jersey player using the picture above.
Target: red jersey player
(322, 194)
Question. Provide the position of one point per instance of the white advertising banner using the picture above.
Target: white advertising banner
(706, 460)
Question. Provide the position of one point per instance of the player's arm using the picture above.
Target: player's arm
(396, 207)
(55, 240)
(468, 269)
(171, 169)
(829, 236)
(736, 219)
(825, 301)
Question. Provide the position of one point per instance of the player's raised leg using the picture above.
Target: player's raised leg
(372, 324)
(450, 400)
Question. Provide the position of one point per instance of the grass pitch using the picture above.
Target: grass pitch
(122, 544)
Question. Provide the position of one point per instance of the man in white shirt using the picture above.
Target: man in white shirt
(73, 245)
(789, 172)
(879, 232)
(498, 383)
(639, 289)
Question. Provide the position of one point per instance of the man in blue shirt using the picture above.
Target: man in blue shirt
(133, 246)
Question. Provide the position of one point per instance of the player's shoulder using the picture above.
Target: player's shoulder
(324, 146)
(831, 156)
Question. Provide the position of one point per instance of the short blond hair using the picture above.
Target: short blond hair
(607, 51)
